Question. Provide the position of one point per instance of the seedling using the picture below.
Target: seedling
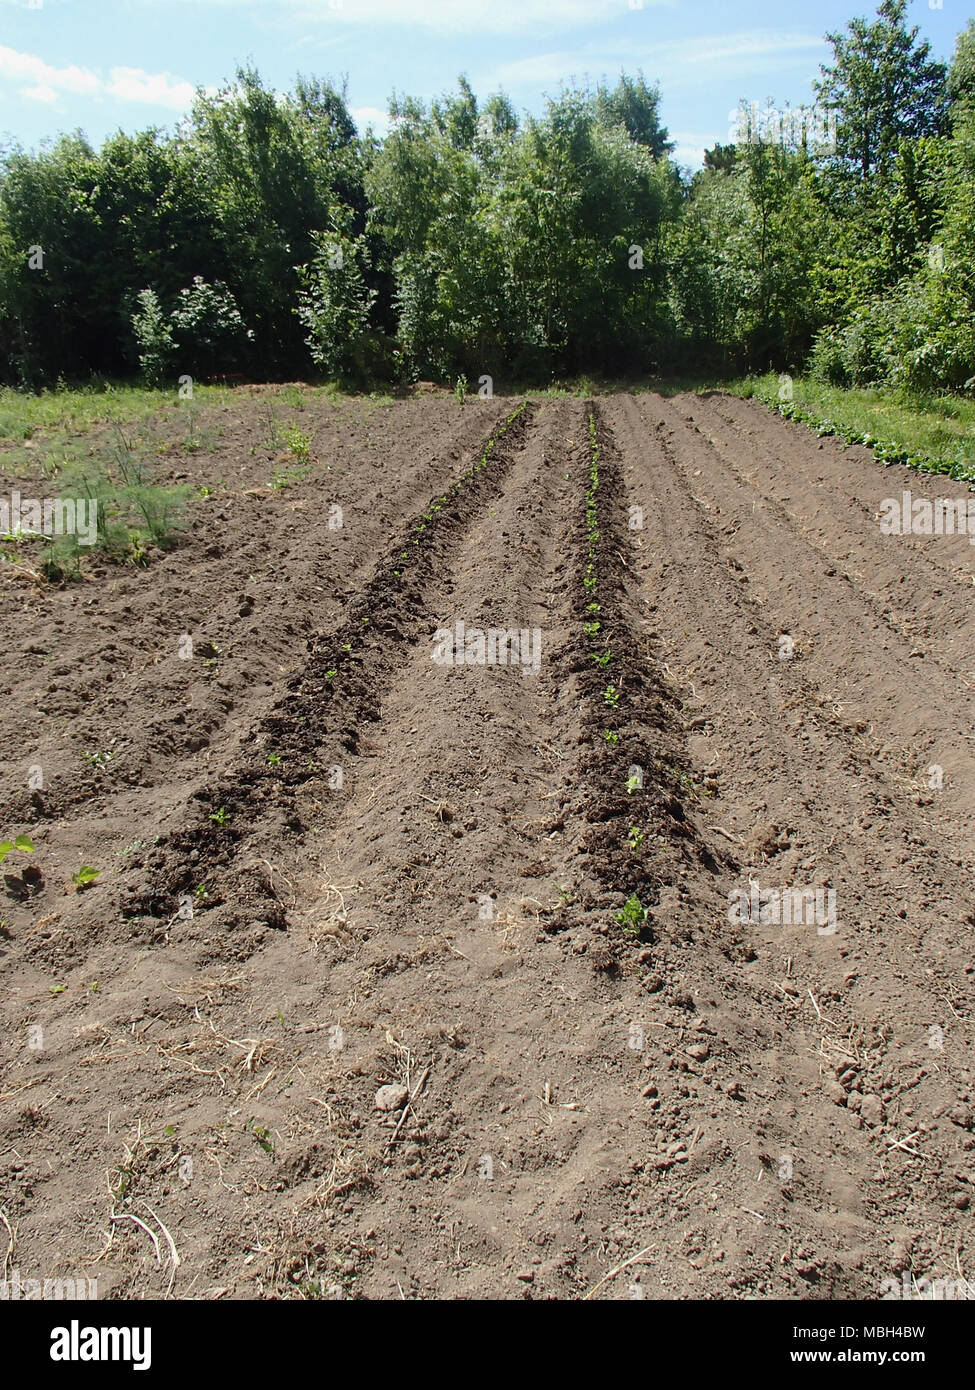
(263, 1136)
(220, 817)
(22, 842)
(98, 759)
(633, 784)
(85, 877)
(635, 838)
(298, 442)
(603, 660)
(610, 736)
(273, 760)
(611, 696)
(633, 916)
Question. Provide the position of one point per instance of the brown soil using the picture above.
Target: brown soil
(703, 1109)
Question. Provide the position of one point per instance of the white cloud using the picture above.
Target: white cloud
(46, 83)
(677, 61)
(370, 116)
(46, 94)
(454, 16)
(25, 67)
(155, 89)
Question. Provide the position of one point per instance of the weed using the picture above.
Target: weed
(633, 916)
(263, 1136)
(298, 443)
(22, 842)
(100, 760)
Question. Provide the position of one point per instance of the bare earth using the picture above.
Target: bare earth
(192, 1048)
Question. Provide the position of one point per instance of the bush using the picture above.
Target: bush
(210, 332)
(334, 304)
(153, 336)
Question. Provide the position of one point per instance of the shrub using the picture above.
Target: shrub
(211, 334)
(153, 336)
(334, 304)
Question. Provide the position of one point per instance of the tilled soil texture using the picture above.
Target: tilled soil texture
(417, 965)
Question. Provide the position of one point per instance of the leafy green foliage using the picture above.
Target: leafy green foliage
(264, 234)
(154, 336)
(22, 842)
(884, 86)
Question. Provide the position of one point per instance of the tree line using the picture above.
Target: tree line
(266, 238)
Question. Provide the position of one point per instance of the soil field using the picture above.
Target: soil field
(412, 979)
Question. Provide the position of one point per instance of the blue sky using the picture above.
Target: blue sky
(106, 64)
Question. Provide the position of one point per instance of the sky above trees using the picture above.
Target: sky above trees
(102, 65)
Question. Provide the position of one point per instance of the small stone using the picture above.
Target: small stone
(391, 1098)
(962, 1201)
(872, 1111)
(699, 1052)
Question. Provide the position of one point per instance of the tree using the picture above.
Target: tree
(884, 87)
(636, 107)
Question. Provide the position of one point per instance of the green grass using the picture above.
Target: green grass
(68, 411)
(24, 414)
(935, 434)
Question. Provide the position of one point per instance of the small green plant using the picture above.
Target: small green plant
(220, 817)
(590, 629)
(611, 696)
(610, 736)
(287, 477)
(635, 838)
(263, 1136)
(633, 916)
(85, 877)
(298, 443)
(603, 660)
(634, 784)
(22, 842)
(460, 389)
(100, 760)
(273, 760)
